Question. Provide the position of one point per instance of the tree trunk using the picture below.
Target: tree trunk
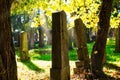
(8, 68)
(70, 39)
(31, 38)
(100, 43)
(117, 40)
(41, 37)
(49, 35)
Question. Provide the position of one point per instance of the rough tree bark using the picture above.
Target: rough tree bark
(100, 43)
(8, 68)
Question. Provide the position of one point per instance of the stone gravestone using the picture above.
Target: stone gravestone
(82, 51)
(16, 38)
(60, 61)
(24, 55)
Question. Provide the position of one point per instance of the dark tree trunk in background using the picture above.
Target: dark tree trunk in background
(117, 40)
(8, 68)
(41, 37)
(31, 38)
(49, 35)
(70, 39)
(100, 43)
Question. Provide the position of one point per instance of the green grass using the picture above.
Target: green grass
(110, 48)
(90, 46)
(45, 53)
(46, 57)
(36, 55)
(73, 54)
(41, 53)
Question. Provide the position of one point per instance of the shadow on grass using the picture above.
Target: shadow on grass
(106, 77)
(32, 66)
(112, 66)
(102, 76)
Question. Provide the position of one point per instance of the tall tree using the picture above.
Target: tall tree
(8, 69)
(100, 43)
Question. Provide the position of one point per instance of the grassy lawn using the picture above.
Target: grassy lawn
(41, 60)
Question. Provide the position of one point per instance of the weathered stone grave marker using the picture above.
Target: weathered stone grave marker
(60, 61)
(24, 55)
(82, 51)
(16, 38)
